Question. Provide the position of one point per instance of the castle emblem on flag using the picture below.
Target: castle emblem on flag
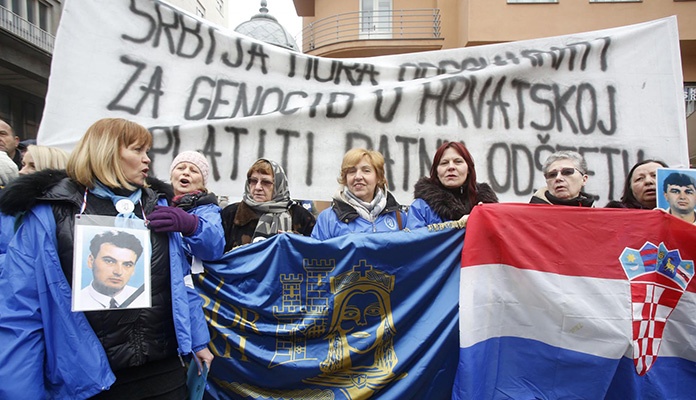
(658, 278)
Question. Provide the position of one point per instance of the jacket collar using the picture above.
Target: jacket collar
(54, 186)
(346, 213)
(24, 192)
(450, 205)
(583, 199)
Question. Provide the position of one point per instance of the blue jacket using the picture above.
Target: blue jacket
(7, 223)
(50, 352)
(342, 219)
(420, 214)
(208, 243)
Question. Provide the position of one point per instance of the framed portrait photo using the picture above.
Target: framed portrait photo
(676, 191)
(111, 264)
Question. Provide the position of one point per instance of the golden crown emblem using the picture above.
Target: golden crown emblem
(361, 275)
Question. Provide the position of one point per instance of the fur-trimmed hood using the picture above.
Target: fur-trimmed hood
(448, 204)
(24, 192)
(53, 185)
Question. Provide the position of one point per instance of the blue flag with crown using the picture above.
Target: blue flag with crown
(359, 316)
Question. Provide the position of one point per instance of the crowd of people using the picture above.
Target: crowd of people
(116, 342)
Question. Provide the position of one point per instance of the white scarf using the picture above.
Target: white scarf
(367, 210)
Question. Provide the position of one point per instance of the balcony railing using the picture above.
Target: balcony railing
(421, 23)
(25, 30)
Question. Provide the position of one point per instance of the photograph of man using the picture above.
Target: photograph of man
(113, 256)
(679, 189)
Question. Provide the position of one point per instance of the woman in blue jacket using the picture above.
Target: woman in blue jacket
(49, 351)
(193, 206)
(362, 202)
(451, 190)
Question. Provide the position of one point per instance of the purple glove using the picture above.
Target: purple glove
(172, 219)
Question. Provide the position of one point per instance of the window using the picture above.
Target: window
(375, 19)
(31, 12)
(44, 17)
(689, 96)
(689, 92)
(16, 7)
(616, 1)
(34, 11)
(530, 1)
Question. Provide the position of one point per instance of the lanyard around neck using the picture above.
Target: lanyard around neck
(84, 205)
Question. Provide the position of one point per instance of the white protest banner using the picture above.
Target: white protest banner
(614, 95)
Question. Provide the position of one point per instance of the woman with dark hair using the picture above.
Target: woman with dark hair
(50, 351)
(451, 190)
(640, 188)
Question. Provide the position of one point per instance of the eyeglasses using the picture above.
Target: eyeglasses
(564, 171)
(264, 183)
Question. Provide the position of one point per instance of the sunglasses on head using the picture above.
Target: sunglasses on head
(563, 171)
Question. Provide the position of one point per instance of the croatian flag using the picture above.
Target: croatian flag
(564, 302)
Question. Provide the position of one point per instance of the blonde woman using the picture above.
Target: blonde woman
(38, 158)
(362, 202)
(50, 351)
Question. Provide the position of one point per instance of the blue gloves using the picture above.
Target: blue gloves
(172, 219)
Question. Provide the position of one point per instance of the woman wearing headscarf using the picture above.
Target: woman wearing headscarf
(566, 175)
(451, 190)
(115, 353)
(640, 187)
(266, 208)
(362, 202)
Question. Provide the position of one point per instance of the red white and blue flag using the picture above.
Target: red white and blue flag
(563, 302)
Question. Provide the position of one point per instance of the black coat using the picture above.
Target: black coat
(130, 337)
(451, 205)
(239, 221)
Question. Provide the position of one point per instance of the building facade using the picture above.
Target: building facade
(27, 35)
(379, 27)
(214, 11)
